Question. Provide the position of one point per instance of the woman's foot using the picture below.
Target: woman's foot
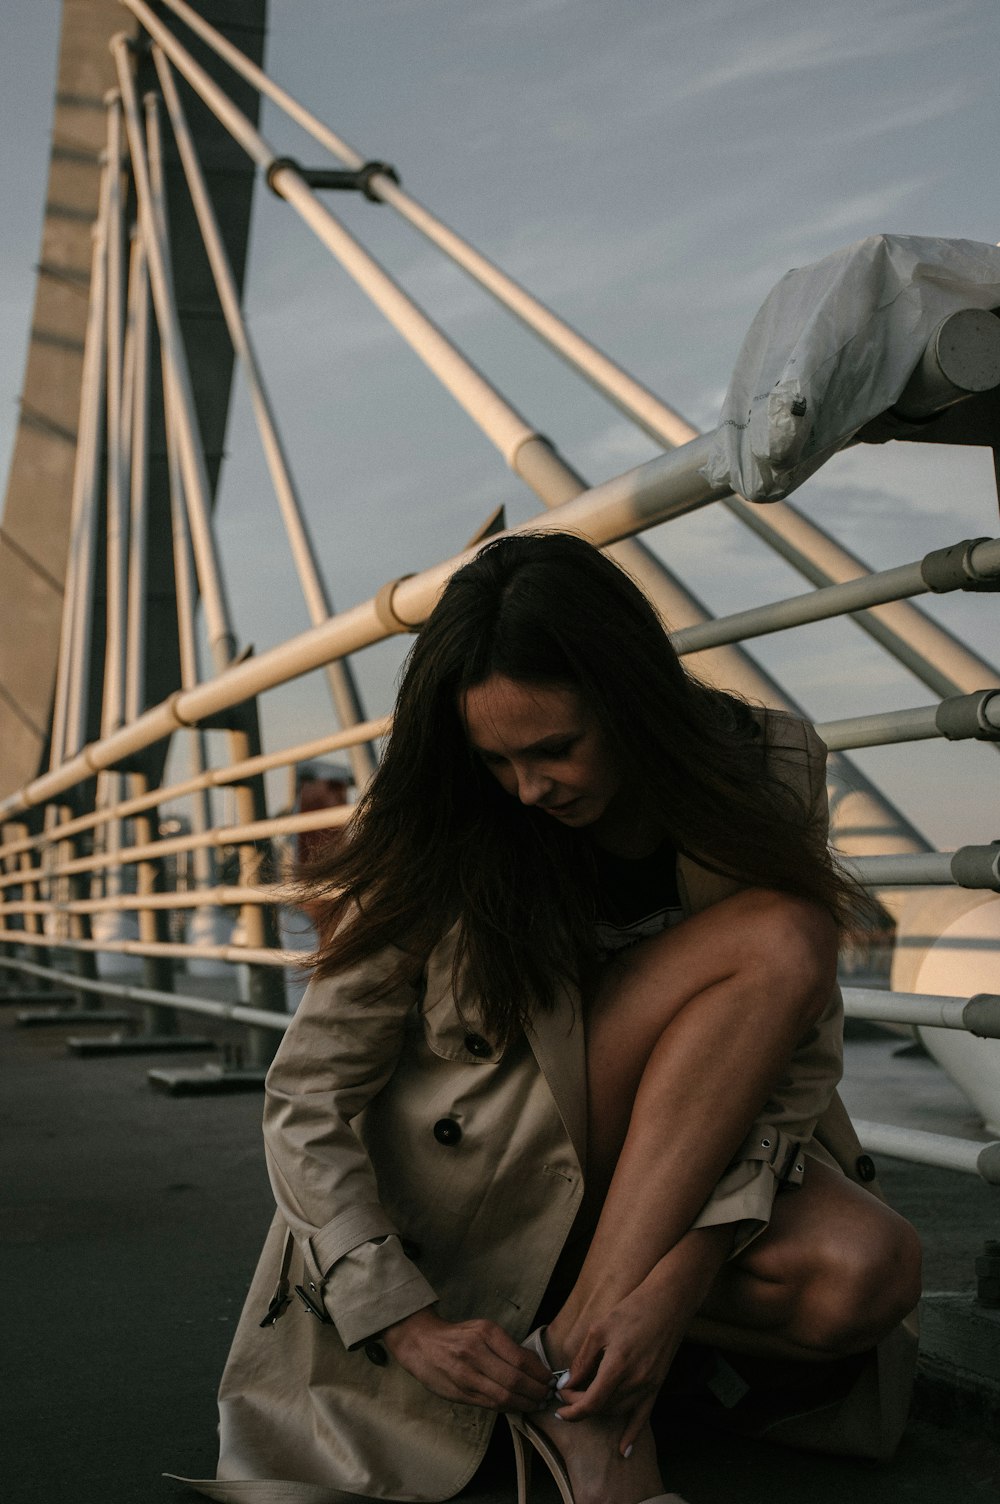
(598, 1473)
(590, 1449)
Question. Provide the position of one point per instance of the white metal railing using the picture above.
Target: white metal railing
(48, 873)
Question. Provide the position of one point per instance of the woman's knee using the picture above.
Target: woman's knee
(793, 941)
(859, 1285)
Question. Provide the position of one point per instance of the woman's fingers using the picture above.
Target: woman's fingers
(637, 1420)
(476, 1363)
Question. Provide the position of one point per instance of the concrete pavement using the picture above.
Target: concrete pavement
(132, 1222)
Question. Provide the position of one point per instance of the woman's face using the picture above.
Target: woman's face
(544, 746)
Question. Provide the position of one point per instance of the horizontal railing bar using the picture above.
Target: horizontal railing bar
(234, 1012)
(958, 717)
(979, 1015)
(224, 835)
(922, 1148)
(665, 487)
(237, 954)
(186, 898)
(968, 867)
(236, 772)
(879, 730)
(830, 600)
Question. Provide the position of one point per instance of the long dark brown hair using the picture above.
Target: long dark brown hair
(435, 840)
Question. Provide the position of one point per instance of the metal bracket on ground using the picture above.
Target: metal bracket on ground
(41, 1018)
(139, 1044)
(210, 1080)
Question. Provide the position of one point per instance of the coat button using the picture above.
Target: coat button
(447, 1131)
(865, 1167)
(477, 1045)
(376, 1353)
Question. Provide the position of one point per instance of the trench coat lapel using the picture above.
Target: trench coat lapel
(557, 1042)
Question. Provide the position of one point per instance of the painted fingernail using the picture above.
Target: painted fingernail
(557, 1416)
(628, 1451)
(562, 1379)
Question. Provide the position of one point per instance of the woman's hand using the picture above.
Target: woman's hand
(625, 1356)
(473, 1362)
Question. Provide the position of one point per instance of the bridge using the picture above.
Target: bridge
(148, 825)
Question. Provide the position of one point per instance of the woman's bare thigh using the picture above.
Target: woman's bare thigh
(758, 949)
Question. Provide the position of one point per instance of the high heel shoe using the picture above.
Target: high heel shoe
(522, 1431)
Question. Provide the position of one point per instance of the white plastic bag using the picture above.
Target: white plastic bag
(832, 347)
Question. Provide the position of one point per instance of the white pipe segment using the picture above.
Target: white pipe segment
(886, 585)
(507, 430)
(533, 457)
(634, 399)
(113, 704)
(924, 1010)
(885, 729)
(928, 650)
(916, 869)
(344, 692)
(925, 648)
(913, 1144)
(209, 778)
(135, 655)
(177, 380)
(225, 835)
(223, 896)
(72, 675)
(665, 487)
(242, 954)
(236, 1012)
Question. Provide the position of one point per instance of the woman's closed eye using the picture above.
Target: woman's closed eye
(556, 751)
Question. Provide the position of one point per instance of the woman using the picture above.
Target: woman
(516, 1083)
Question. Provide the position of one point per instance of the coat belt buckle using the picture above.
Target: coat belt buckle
(313, 1306)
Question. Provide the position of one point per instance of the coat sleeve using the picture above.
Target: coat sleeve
(771, 1157)
(337, 1054)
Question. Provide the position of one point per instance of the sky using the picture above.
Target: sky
(648, 170)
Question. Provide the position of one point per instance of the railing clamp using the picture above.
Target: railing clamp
(953, 568)
(385, 610)
(960, 717)
(977, 866)
(350, 180)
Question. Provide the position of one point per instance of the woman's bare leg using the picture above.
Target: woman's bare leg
(833, 1273)
(687, 1036)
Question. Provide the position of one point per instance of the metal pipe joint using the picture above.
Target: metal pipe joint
(977, 866)
(350, 180)
(960, 717)
(981, 1015)
(955, 568)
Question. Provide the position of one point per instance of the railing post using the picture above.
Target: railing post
(84, 962)
(154, 924)
(259, 923)
(33, 923)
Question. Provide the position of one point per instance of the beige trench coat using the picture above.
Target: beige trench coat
(412, 1163)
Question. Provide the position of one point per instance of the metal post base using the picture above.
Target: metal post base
(139, 1044)
(38, 1018)
(211, 1079)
